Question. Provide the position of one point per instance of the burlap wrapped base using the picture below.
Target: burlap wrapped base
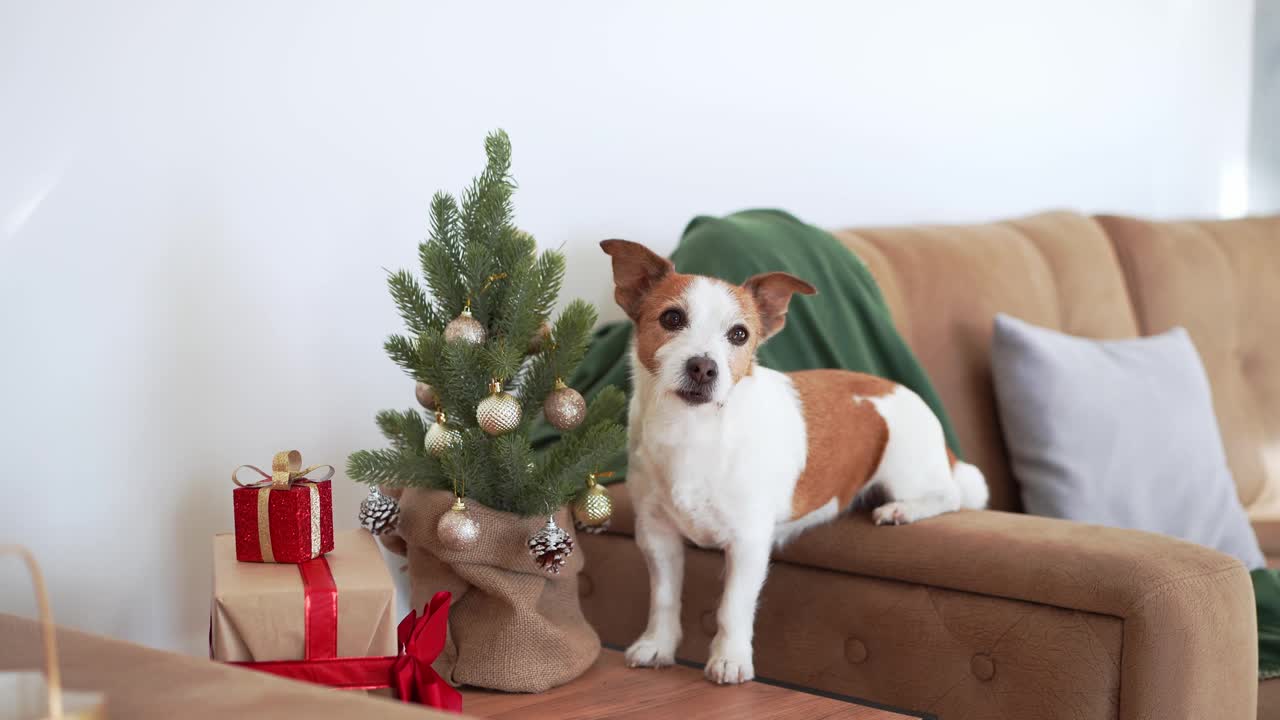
(512, 626)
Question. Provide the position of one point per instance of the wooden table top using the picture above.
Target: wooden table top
(612, 690)
(142, 683)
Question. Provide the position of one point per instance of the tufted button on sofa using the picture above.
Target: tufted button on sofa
(855, 651)
(997, 613)
(983, 667)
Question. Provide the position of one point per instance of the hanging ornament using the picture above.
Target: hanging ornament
(456, 529)
(426, 395)
(593, 508)
(441, 437)
(499, 413)
(539, 338)
(379, 514)
(465, 328)
(564, 407)
(551, 547)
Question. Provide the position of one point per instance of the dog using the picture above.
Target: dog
(732, 455)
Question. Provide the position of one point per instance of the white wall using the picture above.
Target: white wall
(1264, 121)
(197, 201)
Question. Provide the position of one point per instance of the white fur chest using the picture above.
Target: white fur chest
(718, 471)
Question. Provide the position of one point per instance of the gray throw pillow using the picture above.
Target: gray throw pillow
(1119, 433)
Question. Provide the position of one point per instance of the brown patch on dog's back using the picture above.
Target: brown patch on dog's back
(846, 436)
(650, 335)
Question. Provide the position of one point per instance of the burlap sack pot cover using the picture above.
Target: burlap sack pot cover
(512, 626)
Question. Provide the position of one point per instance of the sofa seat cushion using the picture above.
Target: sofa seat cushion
(1021, 557)
(909, 646)
(1269, 699)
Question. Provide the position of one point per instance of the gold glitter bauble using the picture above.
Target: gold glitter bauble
(539, 338)
(426, 395)
(564, 407)
(500, 412)
(465, 328)
(456, 529)
(441, 437)
(593, 508)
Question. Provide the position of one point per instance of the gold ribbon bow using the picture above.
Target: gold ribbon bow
(286, 469)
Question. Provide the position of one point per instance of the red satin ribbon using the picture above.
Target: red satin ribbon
(320, 610)
(409, 673)
(421, 640)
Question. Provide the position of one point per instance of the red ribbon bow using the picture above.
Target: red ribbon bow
(421, 640)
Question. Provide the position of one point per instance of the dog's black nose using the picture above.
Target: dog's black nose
(701, 369)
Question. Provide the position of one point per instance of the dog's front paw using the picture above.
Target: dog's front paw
(729, 669)
(650, 652)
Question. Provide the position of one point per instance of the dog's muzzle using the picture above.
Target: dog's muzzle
(700, 373)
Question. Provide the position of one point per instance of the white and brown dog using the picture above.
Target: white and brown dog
(736, 456)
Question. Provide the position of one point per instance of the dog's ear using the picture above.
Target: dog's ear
(636, 269)
(772, 292)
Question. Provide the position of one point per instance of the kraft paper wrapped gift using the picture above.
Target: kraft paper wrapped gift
(259, 610)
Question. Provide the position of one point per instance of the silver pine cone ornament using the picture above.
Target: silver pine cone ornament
(564, 407)
(379, 513)
(457, 530)
(551, 547)
(499, 413)
(441, 437)
(465, 328)
(593, 508)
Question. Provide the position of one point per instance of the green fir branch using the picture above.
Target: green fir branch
(441, 257)
(404, 428)
(577, 454)
(445, 219)
(511, 461)
(411, 301)
(550, 269)
(396, 468)
(569, 339)
(609, 405)
(404, 353)
(466, 463)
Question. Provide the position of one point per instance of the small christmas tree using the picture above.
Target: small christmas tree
(484, 331)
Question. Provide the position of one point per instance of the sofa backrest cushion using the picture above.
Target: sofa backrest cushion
(944, 285)
(1221, 281)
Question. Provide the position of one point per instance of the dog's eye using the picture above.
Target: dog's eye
(738, 335)
(672, 319)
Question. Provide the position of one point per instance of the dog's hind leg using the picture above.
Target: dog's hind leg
(663, 549)
(915, 471)
(902, 512)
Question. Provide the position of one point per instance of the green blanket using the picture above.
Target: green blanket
(1266, 597)
(846, 325)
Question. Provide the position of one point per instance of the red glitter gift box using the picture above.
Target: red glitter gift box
(285, 518)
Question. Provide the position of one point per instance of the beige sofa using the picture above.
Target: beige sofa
(997, 614)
